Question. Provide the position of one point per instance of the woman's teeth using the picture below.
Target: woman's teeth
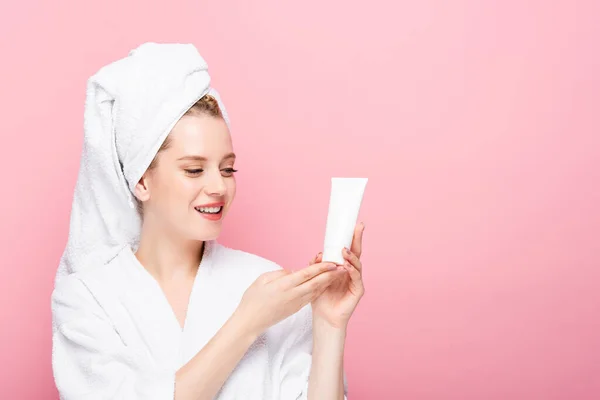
(209, 210)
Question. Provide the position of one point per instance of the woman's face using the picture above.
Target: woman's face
(191, 188)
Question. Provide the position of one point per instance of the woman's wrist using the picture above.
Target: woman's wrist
(324, 331)
(322, 324)
(244, 325)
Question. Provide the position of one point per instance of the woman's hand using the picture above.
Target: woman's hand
(278, 294)
(339, 300)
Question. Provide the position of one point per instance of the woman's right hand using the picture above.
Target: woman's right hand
(276, 295)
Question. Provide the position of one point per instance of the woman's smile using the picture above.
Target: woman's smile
(212, 211)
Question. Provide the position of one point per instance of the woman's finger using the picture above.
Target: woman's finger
(316, 259)
(356, 246)
(356, 282)
(353, 259)
(312, 288)
(305, 274)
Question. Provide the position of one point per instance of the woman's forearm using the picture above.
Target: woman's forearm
(204, 375)
(326, 380)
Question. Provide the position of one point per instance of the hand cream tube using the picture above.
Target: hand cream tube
(344, 205)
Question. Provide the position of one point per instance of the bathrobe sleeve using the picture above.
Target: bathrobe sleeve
(89, 359)
(296, 353)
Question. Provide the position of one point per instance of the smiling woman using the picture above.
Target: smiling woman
(148, 305)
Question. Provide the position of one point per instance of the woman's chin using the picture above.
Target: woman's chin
(204, 232)
(205, 227)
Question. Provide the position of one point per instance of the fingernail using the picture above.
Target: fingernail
(363, 225)
(346, 251)
(332, 266)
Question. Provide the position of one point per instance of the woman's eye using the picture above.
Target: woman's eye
(229, 171)
(194, 171)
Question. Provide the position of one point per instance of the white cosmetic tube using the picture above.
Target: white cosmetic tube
(344, 205)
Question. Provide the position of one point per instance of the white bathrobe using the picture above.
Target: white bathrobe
(118, 338)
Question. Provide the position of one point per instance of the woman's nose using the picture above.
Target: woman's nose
(216, 185)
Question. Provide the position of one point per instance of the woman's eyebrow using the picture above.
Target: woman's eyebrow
(193, 158)
(201, 158)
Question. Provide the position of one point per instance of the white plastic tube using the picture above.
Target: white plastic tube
(344, 205)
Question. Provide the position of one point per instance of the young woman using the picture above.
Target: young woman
(163, 311)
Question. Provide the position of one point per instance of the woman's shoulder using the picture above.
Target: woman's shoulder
(72, 298)
(90, 285)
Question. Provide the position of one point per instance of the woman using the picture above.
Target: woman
(147, 304)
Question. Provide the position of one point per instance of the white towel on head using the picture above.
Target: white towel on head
(131, 106)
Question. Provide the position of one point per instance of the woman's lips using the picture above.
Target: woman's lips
(212, 212)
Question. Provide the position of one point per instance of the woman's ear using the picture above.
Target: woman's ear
(142, 191)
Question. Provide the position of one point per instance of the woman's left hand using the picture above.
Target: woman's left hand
(337, 303)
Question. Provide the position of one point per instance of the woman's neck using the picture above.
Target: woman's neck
(167, 256)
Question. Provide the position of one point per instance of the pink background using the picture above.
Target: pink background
(477, 123)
